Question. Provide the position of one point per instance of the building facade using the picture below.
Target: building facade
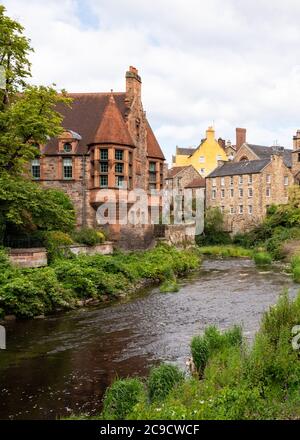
(256, 178)
(107, 144)
(205, 157)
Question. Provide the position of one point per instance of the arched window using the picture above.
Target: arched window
(243, 158)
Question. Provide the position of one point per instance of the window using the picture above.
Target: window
(286, 180)
(250, 192)
(268, 177)
(202, 159)
(152, 186)
(103, 154)
(231, 192)
(268, 192)
(222, 209)
(67, 147)
(222, 181)
(103, 181)
(119, 181)
(241, 192)
(250, 179)
(67, 169)
(298, 157)
(103, 167)
(119, 168)
(240, 180)
(219, 157)
(36, 169)
(214, 183)
(241, 209)
(119, 154)
(222, 193)
(250, 209)
(202, 170)
(231, 180)
(231, 210)
(213, 194)
(152, 167)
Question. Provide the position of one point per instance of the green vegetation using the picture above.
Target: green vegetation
(121, 397)
(213, 229)
(237, 382)
(162, 380)
(30, 292)
(262, 259)
(88, 236)
(226, 251)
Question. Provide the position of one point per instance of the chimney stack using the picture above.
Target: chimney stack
(133, 85)
(296, 141)
(240, 137)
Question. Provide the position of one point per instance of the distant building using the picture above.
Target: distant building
(107, 144)
(205, 157)
(256, 178)
(178, 178)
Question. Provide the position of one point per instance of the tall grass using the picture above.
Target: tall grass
(226, 251)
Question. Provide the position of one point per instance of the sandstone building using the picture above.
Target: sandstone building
(256, 178)
(107, 144)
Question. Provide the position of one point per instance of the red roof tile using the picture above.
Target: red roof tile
(198, 182)
(112, 129)
(153, 148)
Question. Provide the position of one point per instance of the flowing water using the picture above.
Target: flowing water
(64, 363)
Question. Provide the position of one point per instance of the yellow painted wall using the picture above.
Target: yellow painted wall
(205, 157)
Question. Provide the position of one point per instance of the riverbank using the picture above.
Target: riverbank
(229, 379)
(82, 280)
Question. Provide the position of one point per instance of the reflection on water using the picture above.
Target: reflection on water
(64, 363)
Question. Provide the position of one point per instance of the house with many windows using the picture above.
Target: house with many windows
(107, 144)
(256, 178)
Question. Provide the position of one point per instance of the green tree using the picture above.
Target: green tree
(25, 206)
(28, 115)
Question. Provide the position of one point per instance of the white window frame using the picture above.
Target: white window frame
(250, 209)
(268, 192)
(231, 192)
(268, 178)
(222, 181)
(286, 180)
(250, 179)
(222, 193)
(213, 194)
(241, 192)
(202, 159)
(241, 209)
(241, 179)
(214, 182)
(250, 192)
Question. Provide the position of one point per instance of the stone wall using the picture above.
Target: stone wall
(177, 235)
(35, 257)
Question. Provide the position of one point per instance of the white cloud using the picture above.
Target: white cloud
(231, 62)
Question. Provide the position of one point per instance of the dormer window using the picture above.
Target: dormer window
(67, 147)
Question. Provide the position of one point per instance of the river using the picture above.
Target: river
(63, 364)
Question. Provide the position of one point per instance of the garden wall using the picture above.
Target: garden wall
(37, 257)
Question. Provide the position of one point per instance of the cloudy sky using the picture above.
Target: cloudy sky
(227, 62)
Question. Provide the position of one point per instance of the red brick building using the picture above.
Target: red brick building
(107, 143)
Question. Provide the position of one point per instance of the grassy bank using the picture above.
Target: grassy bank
(231, 381)
(68, 282)
(225, 251)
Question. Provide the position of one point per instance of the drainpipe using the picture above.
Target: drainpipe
(83, 191)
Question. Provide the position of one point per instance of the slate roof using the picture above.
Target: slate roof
(243, 167)
(264, 152)
(176, 170)
(85, 116)
(185, 151)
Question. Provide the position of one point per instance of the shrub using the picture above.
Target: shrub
(296, 273)
(121, 397)
(55, 241)
(162, 380)
(4, 261)
(88, 236)
(262, 259)
(200, 353)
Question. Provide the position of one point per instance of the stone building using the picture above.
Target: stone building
(107, 144)
(178, 178)
(258, 177)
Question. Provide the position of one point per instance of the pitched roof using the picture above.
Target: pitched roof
(153, 148)
(264, 152)
(85, 116)
(198, 182)
(243, 167)
(185, 151)
(176, 170)
(112, 129)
